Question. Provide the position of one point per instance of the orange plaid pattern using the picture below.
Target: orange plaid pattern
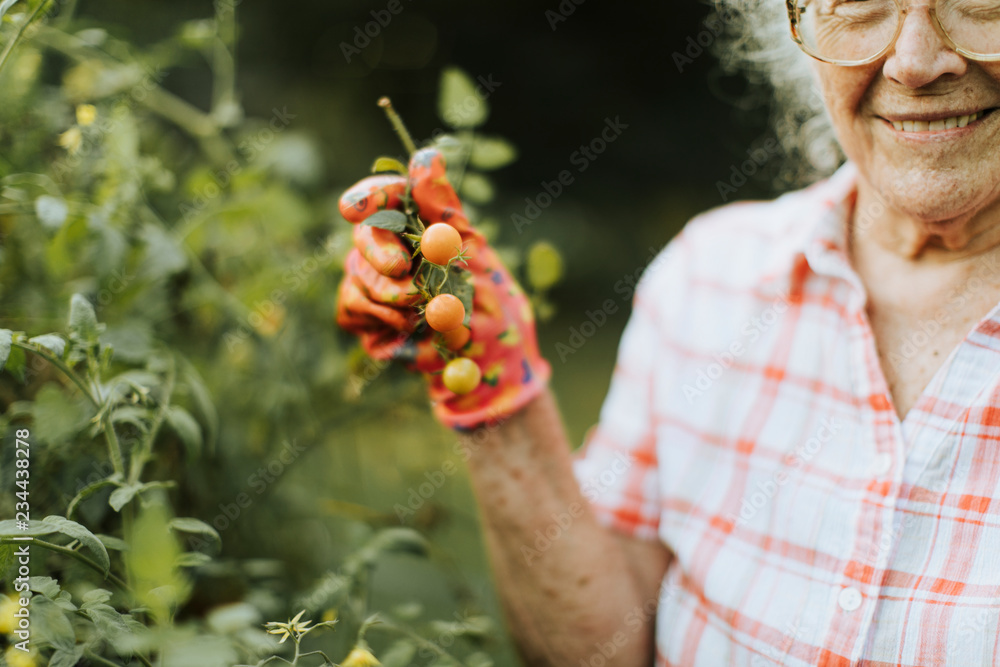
(750, 428)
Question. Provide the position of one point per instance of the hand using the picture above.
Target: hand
(378, 299)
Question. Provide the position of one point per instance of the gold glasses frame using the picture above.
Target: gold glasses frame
(794, 15)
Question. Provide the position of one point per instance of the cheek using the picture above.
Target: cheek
(847, 92)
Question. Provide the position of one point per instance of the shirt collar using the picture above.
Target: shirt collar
(818, 219)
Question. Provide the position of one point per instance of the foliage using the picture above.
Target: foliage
(168, 353)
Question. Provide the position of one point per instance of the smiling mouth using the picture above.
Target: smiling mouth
(940, 124)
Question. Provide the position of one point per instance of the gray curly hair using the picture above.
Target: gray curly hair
(756, 43)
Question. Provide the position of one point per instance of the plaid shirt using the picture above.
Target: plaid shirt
(750, 428)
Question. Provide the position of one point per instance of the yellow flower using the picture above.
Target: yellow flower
(71, 139)
(8, 622)
(360, 656)
(17, 658)
(293, 626)
(86, 114)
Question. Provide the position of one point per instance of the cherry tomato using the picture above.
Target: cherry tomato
(445, 312)
(440, 243)
(462, 375)
(456, 338)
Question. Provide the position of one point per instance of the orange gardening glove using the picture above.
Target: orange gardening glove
(377, 300)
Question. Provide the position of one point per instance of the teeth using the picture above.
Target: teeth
(936, 125)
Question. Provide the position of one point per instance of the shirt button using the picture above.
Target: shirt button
(881, 464)
(849, 599)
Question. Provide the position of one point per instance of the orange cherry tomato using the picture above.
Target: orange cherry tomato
(440, 243)
(462, 375)
(456, 339)
(445, 312)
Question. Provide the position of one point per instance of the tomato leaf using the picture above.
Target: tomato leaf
(195, 527)
(54, 343)
(6, 338)
(491, 153)
(460, 104)
(388, 165)
(394, 221)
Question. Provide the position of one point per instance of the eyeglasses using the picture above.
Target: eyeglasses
(858, 32)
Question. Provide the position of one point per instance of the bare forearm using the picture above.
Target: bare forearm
(565, 580)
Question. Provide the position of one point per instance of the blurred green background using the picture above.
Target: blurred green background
(290, 381)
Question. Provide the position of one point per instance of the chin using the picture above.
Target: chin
(937, 196)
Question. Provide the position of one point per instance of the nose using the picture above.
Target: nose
(921, 55)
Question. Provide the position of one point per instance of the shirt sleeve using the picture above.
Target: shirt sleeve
(617, 466)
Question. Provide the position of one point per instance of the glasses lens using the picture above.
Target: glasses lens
(974, 25)
(849, 30)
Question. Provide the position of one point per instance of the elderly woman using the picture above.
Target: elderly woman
(798, 462)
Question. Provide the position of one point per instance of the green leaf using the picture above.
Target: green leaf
(122, 496)
(96, 596)
(113, 543)
(192, 559)
(185, 426)
(389, 165)
(460, 105)
(86, 538)
(5, 5)
(46, 586)
(6, 339)
(109, 622)
(195, 527)
(16, 363)
(491, 153)
(63, 658)
(51, 211)
(83, 320)
(54, 343)
(394, 221)
(57, 418)
(49, 624)
(545, 265)
(477, 188)
(89, 490)
(63, 526)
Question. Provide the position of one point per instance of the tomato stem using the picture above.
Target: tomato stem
(398, 126)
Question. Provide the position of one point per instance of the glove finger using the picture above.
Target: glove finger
(433, 194)
(383, 250)
(357, 312)
(395, 292)
(372, 194)
(385, 345)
